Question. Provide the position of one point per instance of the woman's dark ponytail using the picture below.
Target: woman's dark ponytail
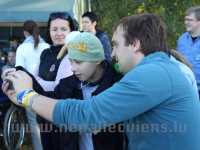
(32, 28)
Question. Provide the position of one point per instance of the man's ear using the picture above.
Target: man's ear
(94, 23)
(136, 45)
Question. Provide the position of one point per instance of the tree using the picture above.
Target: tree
(172, 12)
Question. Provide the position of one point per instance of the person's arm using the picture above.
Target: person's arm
(44, 106)
(139, 91)
(46, 85)
(22, 81)
(67, 88)
(135, 94)
(51, 85)
(64, 71)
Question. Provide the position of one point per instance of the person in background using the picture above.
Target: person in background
(28, 56)
(14, 42)
(11, 59)
(89, 24)
(155, 99)
(3, 57)
(10, 63)
(189, 42)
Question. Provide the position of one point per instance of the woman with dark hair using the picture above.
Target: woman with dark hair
(28, 56)
(30, 27)
(72, 24)
(33, 46)
(51, 70)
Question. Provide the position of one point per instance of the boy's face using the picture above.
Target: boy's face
(84, 71)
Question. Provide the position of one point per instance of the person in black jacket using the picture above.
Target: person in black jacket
(51, 70)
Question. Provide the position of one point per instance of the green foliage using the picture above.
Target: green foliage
(172, 12)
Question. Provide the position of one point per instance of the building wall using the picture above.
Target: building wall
(15, 12)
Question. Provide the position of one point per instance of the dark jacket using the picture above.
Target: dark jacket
(105, 140)
(105, 41)
(49, 64)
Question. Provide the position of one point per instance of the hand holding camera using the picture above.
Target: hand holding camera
(10, 84)
(5, 73)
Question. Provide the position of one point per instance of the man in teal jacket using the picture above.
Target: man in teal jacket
(156, 99)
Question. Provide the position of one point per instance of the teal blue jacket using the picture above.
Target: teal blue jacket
(156, 101)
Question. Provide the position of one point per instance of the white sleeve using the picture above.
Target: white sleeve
(46, 85)
(64, 70)
(20, 60)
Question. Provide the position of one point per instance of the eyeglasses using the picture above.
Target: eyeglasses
(61, 15)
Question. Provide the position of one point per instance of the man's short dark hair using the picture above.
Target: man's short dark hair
(149, 29)
(91, 15)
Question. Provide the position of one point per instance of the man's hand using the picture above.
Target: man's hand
(6, 71)
(20, 80)
(10, 93)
